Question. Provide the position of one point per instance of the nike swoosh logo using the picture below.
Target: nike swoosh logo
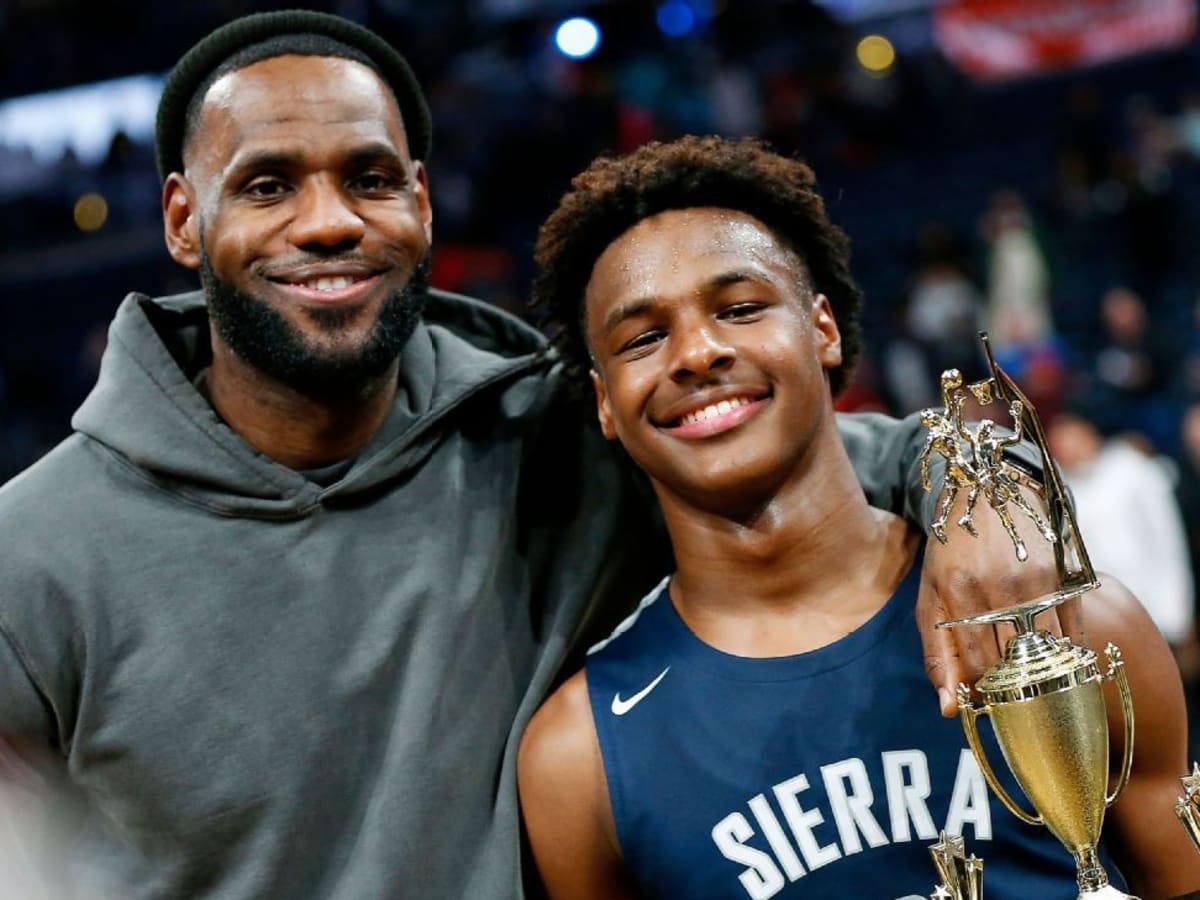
(620, 707)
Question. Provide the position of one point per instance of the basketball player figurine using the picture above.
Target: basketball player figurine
(974, 460)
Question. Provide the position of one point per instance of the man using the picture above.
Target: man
(760, 727)
(282, 606)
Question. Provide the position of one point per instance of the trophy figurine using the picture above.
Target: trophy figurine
(1188, 807)
(1045, 697)
(962, 876)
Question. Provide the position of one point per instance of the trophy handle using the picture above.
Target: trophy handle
(969, 713)
(1116, 672)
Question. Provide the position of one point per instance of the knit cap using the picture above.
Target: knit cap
(205, 57)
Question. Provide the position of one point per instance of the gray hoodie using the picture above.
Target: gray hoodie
(266, 687)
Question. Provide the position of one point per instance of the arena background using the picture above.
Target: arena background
(1032, 166)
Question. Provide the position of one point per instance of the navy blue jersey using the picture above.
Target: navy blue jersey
(824, 775)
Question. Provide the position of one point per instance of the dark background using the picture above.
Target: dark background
(911, 163)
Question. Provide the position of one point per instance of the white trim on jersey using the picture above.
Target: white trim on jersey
(627, 623)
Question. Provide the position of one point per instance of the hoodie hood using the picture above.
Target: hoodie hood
(146, 410)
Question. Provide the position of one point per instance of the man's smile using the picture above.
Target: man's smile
(327, 284)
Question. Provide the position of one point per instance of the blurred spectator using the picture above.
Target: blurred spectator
(1018, 283)
(1129, 518)
(1085, 135)
(736, 101)
(944, 306)
(1018, 318)
(941, 321)
(1189, 124)
(1129, 371)
(1150, 221)
(1186, 378)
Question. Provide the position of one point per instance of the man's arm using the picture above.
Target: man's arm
(1146, 839)
(966, 575)
(25, 710)
(565, 804)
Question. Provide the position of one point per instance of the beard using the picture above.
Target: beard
(263, 338)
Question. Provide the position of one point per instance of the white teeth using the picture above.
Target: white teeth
(330, 283)
(715, 409)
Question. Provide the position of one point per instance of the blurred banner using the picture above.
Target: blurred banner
(991, 40)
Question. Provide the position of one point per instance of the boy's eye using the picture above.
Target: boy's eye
(642, 341)
(744, 310)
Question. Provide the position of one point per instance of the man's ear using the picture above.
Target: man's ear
(424, 204)
(828, 337)
(181, 221)
(603, 410)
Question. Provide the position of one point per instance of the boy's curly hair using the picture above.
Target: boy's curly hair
(614, 194)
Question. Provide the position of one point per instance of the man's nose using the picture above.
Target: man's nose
(699, 350)
(325, 218)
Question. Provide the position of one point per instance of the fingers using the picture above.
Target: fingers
(952, 655)
(942, 664)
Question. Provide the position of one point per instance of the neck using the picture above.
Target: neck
(292, 428)
(811, 564)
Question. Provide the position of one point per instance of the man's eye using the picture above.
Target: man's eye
(264, 188)
(372, 182)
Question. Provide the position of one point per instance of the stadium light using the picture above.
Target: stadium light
(577, 37)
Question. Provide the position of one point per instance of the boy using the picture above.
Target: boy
(758, 728)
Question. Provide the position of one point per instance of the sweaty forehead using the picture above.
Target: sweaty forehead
(678, 250)
(296, 94)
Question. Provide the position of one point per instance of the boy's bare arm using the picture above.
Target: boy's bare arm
(564, 801)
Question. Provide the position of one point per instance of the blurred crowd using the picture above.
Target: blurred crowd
(1058, 213)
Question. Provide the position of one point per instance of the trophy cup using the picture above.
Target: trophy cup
(962, 877)
(1188, 806)
(1045, 698)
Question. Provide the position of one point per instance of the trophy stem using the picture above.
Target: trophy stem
(1093, 880)
(1090, 873)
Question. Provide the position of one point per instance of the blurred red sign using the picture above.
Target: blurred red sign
(997, 39)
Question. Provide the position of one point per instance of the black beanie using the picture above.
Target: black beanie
(203, 59)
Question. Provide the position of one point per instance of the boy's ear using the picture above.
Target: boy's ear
(181, 221)
(828, 337)
(603, 410)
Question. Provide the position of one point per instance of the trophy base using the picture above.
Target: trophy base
(1108, 892)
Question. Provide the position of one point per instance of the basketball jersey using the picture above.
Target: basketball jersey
(826, 775)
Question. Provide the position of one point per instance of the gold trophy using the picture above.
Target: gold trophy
(1188, 806)
(1045, 698)
(962, 876)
